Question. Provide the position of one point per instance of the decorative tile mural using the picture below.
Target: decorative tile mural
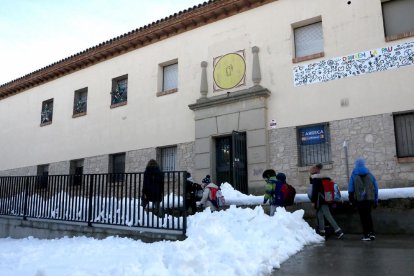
(381, 59)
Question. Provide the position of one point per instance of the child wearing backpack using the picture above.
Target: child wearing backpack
(363, 190)
(210, 194)
(278, 192)
(321, 203)
(272, 186)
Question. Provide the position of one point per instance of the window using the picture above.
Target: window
(117, 167)
(76, 169)
(398, 16)
(168, 80)
(80, 102)
(314, 144)
(42, 176)
(170, 77)
(167, 158)
(308, 42)
(47, 112)
(119, 91)
(404, 134)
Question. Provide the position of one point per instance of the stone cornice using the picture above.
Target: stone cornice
(237, 96)
(186, 20)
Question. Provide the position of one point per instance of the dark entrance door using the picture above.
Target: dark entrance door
(231, 161)
(239, 161)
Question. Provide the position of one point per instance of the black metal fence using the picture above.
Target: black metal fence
(96, 199)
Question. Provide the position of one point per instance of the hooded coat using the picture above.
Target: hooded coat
(361, 169)
(153, 184)
(205, 200)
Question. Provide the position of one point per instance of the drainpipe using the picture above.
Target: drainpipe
(345, 146)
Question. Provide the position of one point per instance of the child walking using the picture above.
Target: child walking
(321, 206)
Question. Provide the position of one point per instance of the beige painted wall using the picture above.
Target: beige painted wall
(150, 121)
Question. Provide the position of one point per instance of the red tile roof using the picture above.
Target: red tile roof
(169, 26)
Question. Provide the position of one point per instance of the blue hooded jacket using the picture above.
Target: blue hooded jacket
(361, 169)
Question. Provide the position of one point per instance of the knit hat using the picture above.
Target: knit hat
(206, 180)
(360, 162)
(281, 177)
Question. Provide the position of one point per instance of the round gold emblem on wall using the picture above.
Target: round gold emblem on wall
(229, 71)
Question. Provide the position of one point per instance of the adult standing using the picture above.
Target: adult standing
(321, 206)
(153, 187)
(363, 191)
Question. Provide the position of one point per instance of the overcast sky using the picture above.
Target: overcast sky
(36, 33)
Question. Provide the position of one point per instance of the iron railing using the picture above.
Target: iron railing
(96, 199)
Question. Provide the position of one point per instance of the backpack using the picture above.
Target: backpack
(286, 195)
(364, 188)
(337, 196)
(216, 197)
(328, 190)
(309, 192)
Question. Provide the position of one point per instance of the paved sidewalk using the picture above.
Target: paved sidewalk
(387, 255)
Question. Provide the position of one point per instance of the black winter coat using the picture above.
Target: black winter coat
(153, 184)
(318, 194)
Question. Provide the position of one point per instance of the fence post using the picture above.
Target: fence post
(26, 197)
(185, 203)
(90, 206)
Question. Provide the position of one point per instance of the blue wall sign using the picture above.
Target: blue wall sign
(312, 135)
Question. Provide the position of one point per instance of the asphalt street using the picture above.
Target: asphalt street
(390, 255)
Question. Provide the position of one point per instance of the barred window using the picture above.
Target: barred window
(308, 40)
(119, 92)
(42, 176)
(314, 144)
(117, 163)
(80, 101)
(167, 158)
(117, 167)
(404, 134)
(46, 115)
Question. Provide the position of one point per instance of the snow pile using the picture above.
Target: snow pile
(233, 242)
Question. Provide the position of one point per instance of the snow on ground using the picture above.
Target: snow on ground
(233, 242)
(236, 241)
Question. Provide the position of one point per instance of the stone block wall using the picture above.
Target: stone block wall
(371, 138)
(135, 161)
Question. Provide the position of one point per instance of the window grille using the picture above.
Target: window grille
(119, 91)
(404, 134)
(308, 40)
(170, 77)
(118, 163)
(314, 144)
(168, 156)
(42, 176)
(398, 17)
(80, 101)
(117, 167)
(47, 112)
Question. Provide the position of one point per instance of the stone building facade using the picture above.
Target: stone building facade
(225, 96)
